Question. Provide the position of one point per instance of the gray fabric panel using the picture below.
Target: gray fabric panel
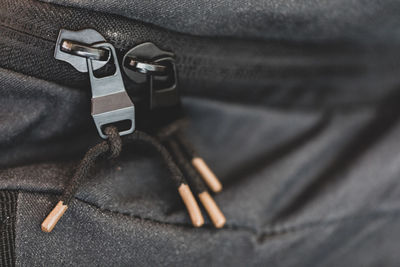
(88, 236)
(302, 186)
(265, 171)
(357, 20)
(283, 74)
(138, 183)
(40, 119)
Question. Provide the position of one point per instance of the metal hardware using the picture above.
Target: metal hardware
(85, 51)
(87, 37)
(110, 101)
(145, 68)
(163, 89)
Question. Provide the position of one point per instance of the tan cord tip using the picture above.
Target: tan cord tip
(191, 205)
(53, 217)
(208, 176)
(216, 215)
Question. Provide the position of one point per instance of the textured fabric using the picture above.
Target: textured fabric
(88, 236)
(274, 73)
(302, 131)
(8, 215)
(364, 21)
(302, 187)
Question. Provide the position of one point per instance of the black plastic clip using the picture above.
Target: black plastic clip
(146, 63)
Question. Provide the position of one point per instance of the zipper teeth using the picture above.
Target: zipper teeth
(33, 56)
(44, 21)
(190, 65)
(205, 61)
(13, 24)
(29, 31)
(25, 38)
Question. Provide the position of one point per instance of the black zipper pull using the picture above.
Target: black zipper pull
(87, 51)
(110, 105)
(148, 64)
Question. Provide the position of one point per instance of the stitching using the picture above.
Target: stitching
(281, 229)
(263, 235)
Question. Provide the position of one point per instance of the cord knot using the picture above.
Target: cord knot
(114, 141)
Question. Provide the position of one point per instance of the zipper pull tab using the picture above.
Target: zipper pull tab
(146, 63)
(87, 51)
(110, 101)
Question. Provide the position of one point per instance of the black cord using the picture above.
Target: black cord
(114, 141)
(177, 175)
(171, 129)
(112, 145)
(186, 145)
(194, 178)
(197, 183)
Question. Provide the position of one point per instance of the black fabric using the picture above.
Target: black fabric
(302, 131)
(84, 169)
(196, 182)
(269, 73)
(176, 174)
(129, 213)
(8, 215)
(363, 21)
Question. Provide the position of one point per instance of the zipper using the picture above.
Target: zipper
(262, 68)
(155, 68)
(30, 28)
(87, 51)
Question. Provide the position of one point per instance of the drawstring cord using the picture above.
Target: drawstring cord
(172, 131)
(216, 216)
(199, 164)
(175, 154)
(177, 176)
(195, 169)
(113, 146)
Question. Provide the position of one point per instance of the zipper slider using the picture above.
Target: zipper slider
(87, 51)
(146, 63)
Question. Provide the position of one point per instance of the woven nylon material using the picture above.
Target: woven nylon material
(30, 28)
(321, 77)
(359, 20)
(8, 209)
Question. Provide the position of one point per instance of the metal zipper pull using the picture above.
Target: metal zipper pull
(87, 51)
(110, 101)
(73, 48)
